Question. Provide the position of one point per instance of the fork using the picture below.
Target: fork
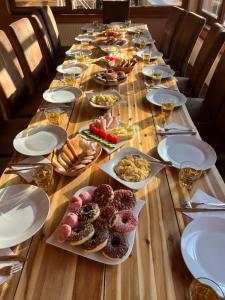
(10, 270)
(196, 204)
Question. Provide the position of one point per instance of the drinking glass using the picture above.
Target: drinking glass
(167, 108)
(84, 45)
(142, 43)
(127, 23)
(69, 79)
(137, 33)
(52, 115)
(156, 77)
(204, 288)
(146, 57)
(90, 32)
(43, 176)
(189, 172)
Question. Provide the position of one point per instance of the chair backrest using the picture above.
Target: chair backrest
(28, 51)
(215, 95)
(43, 39)
(115, 11)
(12, 83)
(185, 40)
(51, 26)
(206, 57)
(173, 22)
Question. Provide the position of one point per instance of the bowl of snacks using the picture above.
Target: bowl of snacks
(110, 49)
(109, 132)
(77, 155)
(114, 32)
(99, 224)
(132, 168)
(122, 64)
(111, 41)
(105, 99)
(110, 77)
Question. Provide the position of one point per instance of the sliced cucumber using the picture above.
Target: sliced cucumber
(98, 139)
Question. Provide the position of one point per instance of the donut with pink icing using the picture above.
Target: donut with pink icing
(63, 233)
(86, 197)
(75, 204)
(71, 219)
(124, 221)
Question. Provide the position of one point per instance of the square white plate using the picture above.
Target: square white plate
(109, 166)
(114, 92)
(97, 256)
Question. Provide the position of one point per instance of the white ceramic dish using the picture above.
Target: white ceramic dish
(109, 166)
(40, 140)
(73, 53)
(62, 95)
(97, 27)
(109, 83)
(202, 247)
(28, 210)
(178, 149)
(108, 150)
(85, 38)
(157, 96)
(148, 40)
(105, 49)
(112, 24)
(154, 53)
(97, 256)
(89, 97)
(166, 71)
(76, 69)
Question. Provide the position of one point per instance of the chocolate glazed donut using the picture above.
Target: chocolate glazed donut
(123, 199)
(97, 241)
(81, 234)
(104, 219)
(117, 246)
(88, 213)
(102, 195)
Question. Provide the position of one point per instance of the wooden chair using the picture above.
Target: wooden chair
(184, 42)
(173, 22)
(214, 41)
(15, 99)
(30, 56)
(115, 11)
(53, 31)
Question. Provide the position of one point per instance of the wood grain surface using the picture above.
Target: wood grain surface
(155, 269)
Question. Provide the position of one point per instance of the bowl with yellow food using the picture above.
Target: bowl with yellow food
(105, 99)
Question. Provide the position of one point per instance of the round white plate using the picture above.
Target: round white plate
(62, 95)
(73, 69)
(178, 149)
(154, 54)
(40, 140)
(84, 38)
(202, 247)
(157, 96)
(167, 72)
(98, 256)
(28, 210)
(73, 53)
(148, 40)
(97, 27)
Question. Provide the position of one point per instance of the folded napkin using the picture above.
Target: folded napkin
(6, 251)
(200, 197)
(27, 175)
(173, 128)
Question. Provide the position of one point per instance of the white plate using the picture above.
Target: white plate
(202, 247)
(108, 150)
(62, 94)
(104, 48)
(97, 256)
(148, 40)
(74, 69)
(25, 216)
(97, 27)
(178, 149)
(73, 53)
(85, 38)
(167, 72)
(40, 140)
(157, 96)
(109, 166)
(154, 53)
(114, 92)
(112, 24)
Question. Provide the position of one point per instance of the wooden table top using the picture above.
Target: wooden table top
(155, 270)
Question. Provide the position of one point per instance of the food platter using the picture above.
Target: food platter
(62, 94)
(97, 256)
(109, 166)
(104, 79)
(40, 140)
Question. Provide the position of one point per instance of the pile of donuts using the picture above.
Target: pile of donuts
(101, 220)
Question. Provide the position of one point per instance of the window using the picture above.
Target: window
(36, 3)
(212, 7)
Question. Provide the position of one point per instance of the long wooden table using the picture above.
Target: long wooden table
(155, 269)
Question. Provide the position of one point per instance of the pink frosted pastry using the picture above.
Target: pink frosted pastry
(63, 233)
(124, 221)
(86, 197)
(75, 204)
(71, 219)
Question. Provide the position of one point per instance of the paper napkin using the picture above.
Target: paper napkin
(6, 251)
(27, 175)
(174, 127)
(200, 197)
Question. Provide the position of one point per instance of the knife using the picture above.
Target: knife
(191, 132)
(190, 209)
